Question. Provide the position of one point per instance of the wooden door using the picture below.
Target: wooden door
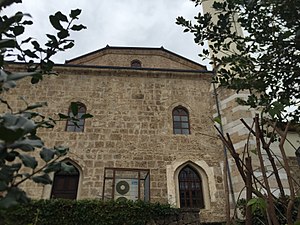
(65, 185)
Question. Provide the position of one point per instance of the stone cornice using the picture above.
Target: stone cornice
(67, 69)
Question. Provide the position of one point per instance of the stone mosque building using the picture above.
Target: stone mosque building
(151, 137)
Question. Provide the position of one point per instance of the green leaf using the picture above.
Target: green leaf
(30, 54)
(36, 105)
(9, 84)
(55, 22)
(14, 127)
(61, 16)
(78, 27)
(21, 75)
(7, 43)
(10, 156)
(52, 38)
(218, 120)
(36, 45)
(63, 116)
(53, 167)
(257, 204)
(74, 108)
(60, 150)
(28, 161)
(63, 34)
(85, 116)
(47, 65)
(3, 76)
(34, 80)
(254, 151)
(18, 30)
(27, 22)
(67, 168)
(74, 13)
(7, 171)
(47, 154)
(13, 197)
(43, 179)
(8, 3)
(27, 144)
(69, 45)
(252, 201)
(26, 40)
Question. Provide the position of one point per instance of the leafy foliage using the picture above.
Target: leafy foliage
(258, 206)
(265, 61)
(255, 47)
(18, 129)
(87, 212)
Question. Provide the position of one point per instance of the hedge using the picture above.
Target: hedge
(90, 212)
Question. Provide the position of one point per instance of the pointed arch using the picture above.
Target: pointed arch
(202, 169)
(65, 185)
(181, 121)
(190, 188)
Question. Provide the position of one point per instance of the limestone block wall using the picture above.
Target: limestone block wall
(132, 128)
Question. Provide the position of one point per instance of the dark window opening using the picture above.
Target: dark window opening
(79, 125)
(65, 185)
(190, 189)
(181, 124)
(136, 63)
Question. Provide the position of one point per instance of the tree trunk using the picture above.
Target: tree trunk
(266, 147)
(248, 191)
(270, 202)
(290, 179)
(226, 189)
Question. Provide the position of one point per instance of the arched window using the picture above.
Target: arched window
(65, 185)
(79, 125)
(181, 123)
(190, 188)
(136, 63)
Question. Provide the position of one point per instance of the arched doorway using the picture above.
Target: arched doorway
(65, 185)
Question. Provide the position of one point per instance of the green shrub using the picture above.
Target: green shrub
(259, 215)
(71, 212)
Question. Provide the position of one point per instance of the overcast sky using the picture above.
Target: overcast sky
(138, 23)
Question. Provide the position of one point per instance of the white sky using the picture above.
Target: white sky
(138, 23)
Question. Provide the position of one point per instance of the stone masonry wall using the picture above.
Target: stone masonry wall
(131, 128)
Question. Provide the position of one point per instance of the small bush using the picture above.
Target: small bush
(71, 212)
(259, 216)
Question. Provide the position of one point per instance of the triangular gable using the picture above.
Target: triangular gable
(124, 56)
